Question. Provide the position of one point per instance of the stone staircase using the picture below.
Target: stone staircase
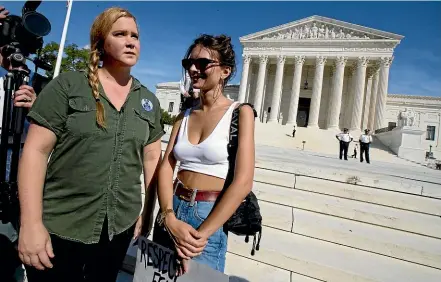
(318, 141)
(319, 229)
(340, 221)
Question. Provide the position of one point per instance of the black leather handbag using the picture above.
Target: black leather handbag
(247, 220)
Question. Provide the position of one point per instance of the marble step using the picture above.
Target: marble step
(235, 265)
(429, 186)
(329, 262)
(384, 241)
(390, 198)
(403, 220)
(370, 195)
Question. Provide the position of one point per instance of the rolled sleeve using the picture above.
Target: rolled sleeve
(156, 130)
(51, 106)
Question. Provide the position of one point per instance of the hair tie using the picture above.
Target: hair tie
(97, 99)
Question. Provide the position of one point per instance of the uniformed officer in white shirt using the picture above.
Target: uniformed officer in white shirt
(365, 142)
(345, 138)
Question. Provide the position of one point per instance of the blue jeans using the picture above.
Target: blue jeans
(214, 252)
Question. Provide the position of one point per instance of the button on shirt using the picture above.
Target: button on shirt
(364, 138)
(94, 172)
(345, 137)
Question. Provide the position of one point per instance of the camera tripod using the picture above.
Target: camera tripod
(12, 130)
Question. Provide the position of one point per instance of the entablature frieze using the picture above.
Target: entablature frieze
(272, 55)
(323, 44)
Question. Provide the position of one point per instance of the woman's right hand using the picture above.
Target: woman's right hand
(35, 247)
(187, 239)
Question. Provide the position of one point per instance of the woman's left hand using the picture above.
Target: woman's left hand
(24, 97)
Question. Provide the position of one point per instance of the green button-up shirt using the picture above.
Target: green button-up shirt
(93, 172)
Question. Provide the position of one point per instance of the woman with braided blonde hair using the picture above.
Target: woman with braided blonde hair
(102, 129)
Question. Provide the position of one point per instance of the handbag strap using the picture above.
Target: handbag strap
(234, 141)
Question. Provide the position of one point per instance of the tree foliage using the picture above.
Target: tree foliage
(166, 118)
(74, 59)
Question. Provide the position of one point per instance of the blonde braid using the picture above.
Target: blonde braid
(94, 83)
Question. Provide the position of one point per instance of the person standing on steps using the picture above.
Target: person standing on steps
(354, 155)
(192, 214)
(294, 132)
(344, 138)
(365, 143)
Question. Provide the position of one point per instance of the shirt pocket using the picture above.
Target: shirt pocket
(81, 120)
(142, 123)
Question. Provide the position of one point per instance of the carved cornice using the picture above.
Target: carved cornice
(319, 30)
(413, 97)
(385, 62)
(257, 47)
(299, 60)
(320, 60)
(323, 23)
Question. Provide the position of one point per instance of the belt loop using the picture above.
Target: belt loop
(193, 197)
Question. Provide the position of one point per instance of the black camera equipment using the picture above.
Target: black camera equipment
(19, 38)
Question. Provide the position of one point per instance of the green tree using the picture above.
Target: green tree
(166, 118)
(74, 59)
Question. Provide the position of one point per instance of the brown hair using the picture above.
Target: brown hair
(222, 45)
(98, 33)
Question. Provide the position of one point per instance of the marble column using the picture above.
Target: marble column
(295, 91)
(263, 60)
(350, 97)
(360, 79)
(376, 76)
(277, 90)
(383, 83)
(367, 101)
(244, 79)
(335, 103)
(314, 110)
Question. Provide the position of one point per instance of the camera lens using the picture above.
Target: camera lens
(36, 23)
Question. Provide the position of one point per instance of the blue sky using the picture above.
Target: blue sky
(168, 28)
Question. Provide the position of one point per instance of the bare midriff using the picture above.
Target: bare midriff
(202, 182)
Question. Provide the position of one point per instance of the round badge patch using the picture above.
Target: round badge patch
(147, 105)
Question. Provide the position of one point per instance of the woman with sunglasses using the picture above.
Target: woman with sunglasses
(199, 140)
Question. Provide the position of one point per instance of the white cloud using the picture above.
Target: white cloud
(87, 46)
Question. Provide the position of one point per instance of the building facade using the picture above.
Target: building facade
(322, 73)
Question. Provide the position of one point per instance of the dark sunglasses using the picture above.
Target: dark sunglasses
(200, 63)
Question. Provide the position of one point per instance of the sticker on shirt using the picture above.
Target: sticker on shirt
(147, 104)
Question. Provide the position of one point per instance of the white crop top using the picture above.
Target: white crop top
(210, 156)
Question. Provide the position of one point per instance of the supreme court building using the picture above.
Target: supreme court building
(322, 73)
(318, 72)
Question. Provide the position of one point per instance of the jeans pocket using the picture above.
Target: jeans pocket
(202, 210)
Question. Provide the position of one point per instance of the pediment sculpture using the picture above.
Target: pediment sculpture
(317, 30)
(406, 118)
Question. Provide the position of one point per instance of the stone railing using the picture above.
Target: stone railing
(384, 129)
